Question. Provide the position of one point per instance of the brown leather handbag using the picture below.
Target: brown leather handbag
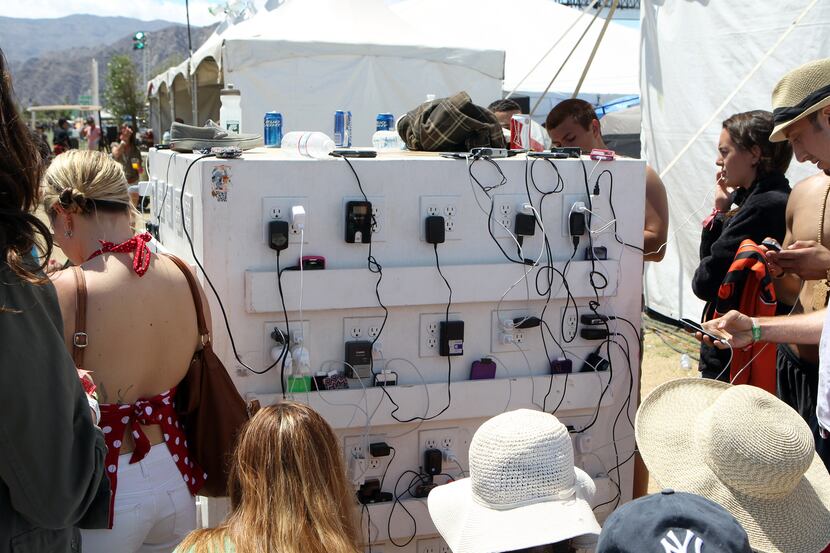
(209, 405)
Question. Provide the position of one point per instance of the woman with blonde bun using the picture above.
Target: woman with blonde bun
(139, 337)
(288, 489)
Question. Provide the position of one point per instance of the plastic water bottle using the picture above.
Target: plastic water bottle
(230, 109)
(308, 144)
(386, 140)
(685, 362)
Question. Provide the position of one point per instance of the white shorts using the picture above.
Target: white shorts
(154, 510)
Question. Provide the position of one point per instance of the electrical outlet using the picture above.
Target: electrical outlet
(505, 208)
(430, 332)
(504, 337)
(567, 202)
(296, 331)
(378, 215)
(445, 206)
(570, 322)
(168, 204)
(280, 208)
(152, 190)
(188, 212)
(432, 545)
(358, 459)
(361, 328)
(441, 438)
(177, 211)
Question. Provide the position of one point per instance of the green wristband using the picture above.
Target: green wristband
(756, 330)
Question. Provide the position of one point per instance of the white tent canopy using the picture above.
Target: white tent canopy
(695, 55)
(526, 30)
(307, 58)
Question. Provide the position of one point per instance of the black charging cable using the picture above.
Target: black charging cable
(207, 278)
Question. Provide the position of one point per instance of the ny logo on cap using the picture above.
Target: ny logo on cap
(677, 547)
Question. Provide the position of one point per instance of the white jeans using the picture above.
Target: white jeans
(154, 510)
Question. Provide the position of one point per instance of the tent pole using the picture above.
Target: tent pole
(555, 44)
(585, 32)
(728, 99)
(596, 47)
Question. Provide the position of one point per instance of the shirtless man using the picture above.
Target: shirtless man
(797, 364)
(574, 123)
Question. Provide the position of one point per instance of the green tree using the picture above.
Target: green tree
(123, 92)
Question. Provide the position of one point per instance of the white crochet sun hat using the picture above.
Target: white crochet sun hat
(744, 449)
(523, 488)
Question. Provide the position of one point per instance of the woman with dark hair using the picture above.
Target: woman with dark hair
(51, 453)
(750, 202)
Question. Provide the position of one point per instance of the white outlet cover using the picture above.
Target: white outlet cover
(530, 335)
(429, 329)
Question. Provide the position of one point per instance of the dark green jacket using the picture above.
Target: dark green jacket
(51, 455)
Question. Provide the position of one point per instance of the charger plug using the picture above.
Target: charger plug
(435, 229)
(302, 359)
(298, 216)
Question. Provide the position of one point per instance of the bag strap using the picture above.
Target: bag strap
(204, 331)
(80, 339)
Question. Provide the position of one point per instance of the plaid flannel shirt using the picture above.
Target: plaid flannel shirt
(451, 124)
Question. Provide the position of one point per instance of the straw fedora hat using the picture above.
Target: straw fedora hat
(744, 449)
(802, 91)
(523, 488)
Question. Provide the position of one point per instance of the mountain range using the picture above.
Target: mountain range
(60, 70)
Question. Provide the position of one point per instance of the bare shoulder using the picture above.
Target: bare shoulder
(66, 287)
(653, 180)
(810, 189)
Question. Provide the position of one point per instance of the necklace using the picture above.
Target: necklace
(137, 245)
(821, 289)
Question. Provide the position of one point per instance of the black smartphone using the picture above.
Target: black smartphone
(692, 326)
(569, 151)
(771, 244)
(354, 153)
(548, 155)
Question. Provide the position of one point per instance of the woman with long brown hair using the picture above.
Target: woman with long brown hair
(288, 488)
(51, 454)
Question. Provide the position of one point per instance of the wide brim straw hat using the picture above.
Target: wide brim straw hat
(523, 489)
(744, 449)
(802, 91)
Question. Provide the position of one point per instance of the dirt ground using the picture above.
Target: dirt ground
(664, 346)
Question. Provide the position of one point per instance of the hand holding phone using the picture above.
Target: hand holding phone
(694, 327)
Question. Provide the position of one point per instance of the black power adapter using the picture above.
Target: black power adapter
(435, 232)
(432, 462)
(525, 224)
(451, 338)
(278, 234)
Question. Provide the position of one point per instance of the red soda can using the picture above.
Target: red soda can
(520, 132)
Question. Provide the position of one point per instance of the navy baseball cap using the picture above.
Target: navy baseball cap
(672, 522)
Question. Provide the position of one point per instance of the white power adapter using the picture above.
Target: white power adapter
(298, 216)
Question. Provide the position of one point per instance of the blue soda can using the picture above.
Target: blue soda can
(343, 129)
(273, 129)
(385, 122)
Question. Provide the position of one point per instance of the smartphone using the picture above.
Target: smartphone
(569, 151)
(454, 155)
(692, 326)
(602, 155)
(354, 153)
(489, 152)
(548, 155)
(771, 244)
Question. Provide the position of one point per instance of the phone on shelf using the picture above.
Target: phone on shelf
(548, 155)
(354, 153)
(692, 326)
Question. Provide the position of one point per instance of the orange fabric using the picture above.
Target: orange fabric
(748, 288)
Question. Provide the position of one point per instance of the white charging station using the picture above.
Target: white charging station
(227, 204)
